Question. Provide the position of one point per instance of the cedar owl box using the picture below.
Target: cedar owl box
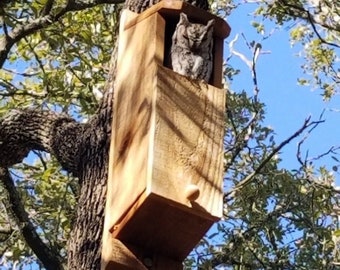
(166, 157)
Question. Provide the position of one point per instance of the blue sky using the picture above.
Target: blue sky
(287, 103)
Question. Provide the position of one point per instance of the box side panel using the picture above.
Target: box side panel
(162, 228)
(132, 116)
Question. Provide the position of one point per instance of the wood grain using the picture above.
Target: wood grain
(162, 227)
(167, 135)
(121, 257)
(129, 161)
(171, 8)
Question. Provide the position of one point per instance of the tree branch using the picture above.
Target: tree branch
(47, 18)
(249, 178)
(306, 15)
(243, 137)
(28, 129)
(47, 8)
(48, 258)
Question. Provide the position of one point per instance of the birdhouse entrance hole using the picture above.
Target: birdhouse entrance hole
(172, 20)
(169, 11)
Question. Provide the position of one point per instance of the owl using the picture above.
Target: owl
(191, 49)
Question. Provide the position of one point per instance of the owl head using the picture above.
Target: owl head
(194, 35)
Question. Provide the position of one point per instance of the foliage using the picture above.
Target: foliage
(280, 220)
(315, 28)
(49, 196)
(276, 219)
(62, 67)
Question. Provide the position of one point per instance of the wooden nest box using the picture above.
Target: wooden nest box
(166, 157)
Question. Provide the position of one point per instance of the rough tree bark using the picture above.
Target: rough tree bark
(80, 148)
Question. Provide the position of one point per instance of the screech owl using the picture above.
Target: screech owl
(191, 49)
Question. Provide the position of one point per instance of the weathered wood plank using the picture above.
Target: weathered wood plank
(120, 257)
(174, 7)
(162, 227)
(167, 138)
(188, 144)
(185, 147)
(131, 118)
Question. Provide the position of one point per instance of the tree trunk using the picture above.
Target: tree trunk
(84, 247)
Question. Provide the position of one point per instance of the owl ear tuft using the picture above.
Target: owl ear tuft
(210, 24)
(183, 19)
